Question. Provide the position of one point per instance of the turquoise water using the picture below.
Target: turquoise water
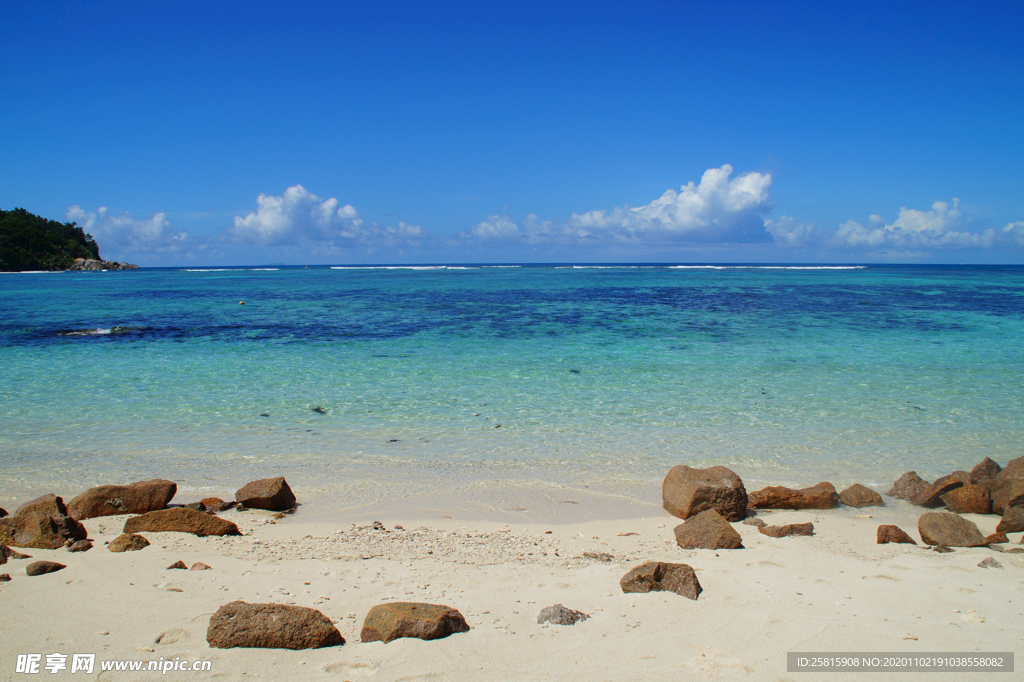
(600, 378)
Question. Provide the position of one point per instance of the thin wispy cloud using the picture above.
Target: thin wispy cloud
(126, 234)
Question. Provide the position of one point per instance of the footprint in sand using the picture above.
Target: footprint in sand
(355, 668)
(881, 577)
(171, 636)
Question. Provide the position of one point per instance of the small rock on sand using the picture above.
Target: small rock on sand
(996, 538)
(80, 546)
(388, 622)
(893, 534)
(686, 492)
(658, 576)
(707, 530)
(128, 542)
(820, 496)
(989, 563)
(600, 556)
(200, 566)
(178, 565)
(215, 504)
(272, 494)
(1012, 521)
(944, 528)
(5, 577)
(181, 520)
(42, 567)
(560, 615)
(858, 495)
(788, 529)
(754, 521)
(270, 626)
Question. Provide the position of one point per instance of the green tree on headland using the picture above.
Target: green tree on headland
(29, 242)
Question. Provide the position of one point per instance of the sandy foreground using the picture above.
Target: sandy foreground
(834, 592)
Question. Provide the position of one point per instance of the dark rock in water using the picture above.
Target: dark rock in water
(180, 520)
(893, 534)
(40, 530)
(135, 498)
(686, 492)
(658, 576)
(388, 622)
(80, 546)
(787, 530)
(707, 530)
(268, 493)
(932, 495)
(1013, 471)
(178, 565)
(215, 504)
(42, 567)
(753, 521)
(908, 486)
(858, 495)
(1012, 521)
(560, 615)
(989, 563)
(820, 496)
(48, 504)
(944, 528)
(319, 410)
(264, 414)
(985, 470)
(270, 626)
(1006, 494)
(128, 542)
(968, 499)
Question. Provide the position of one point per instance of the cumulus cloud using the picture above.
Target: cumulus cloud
(300, 216)
(789, 231)
(124, 233)
(940, 227)
(718, 210)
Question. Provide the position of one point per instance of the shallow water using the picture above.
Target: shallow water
(498, 388)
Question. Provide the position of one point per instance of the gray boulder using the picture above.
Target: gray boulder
(560, 615)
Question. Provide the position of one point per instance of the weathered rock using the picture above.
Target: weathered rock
(180, 520)
(135, 498)
(996, 538)
(686, 492)
(707, 530)
(8, 553)
(858, 495)
(270, 626)
(268, 493)
(179, 564)
(820, 496)
(92, 264)
(944, 528)
(893, 534)
(1005, 495)
(657, 576)
(788, 529)
(1012, 521)
(41, 567)
(932, 495)
(40, 530)
(754, 522)
(200, 566)
(5, 577)
(968, 499)
(908, 486)
(942, 549)
(48, 504)
(3, 512)
(80, 546)
(215, 504)
(560, 615)
(1013, 471)
(128, 542)
(195, 506)
(985, 470)
(989, 563)
(388, 622)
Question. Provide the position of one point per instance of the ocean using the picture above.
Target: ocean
(513, 391)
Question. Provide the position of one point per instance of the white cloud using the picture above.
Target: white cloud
(718, 210)
(123, 233)
(788, 231)
(941, 227)
(1014, 233)
(300, 216)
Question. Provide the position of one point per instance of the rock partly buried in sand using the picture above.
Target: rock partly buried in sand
(80, 546)
(1013, 471)
(658, 576)
(48, 504)
(985, 470)
(1005, 495)
(180, 520)
(858, 495)
(969, 499)
(128, 542)
(686, 492)
(268, 493)
(754, 521)
(200, 566)
(135, 498)
(931, 496)
(179, 564)
(996, 538)
(270, 626)
(707, 530)
(893, 534)
(3, 512)
(944, 528)
(989, 563)
(787, 530)
(8, 553)
(820, 496)
(215, 504)
(560, 615)
(908, 486)
(388, 622)
(1012, 521)
(5, 577)
(40, 530)
(41, 567)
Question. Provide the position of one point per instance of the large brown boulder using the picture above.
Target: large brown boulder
(270, 626)
(908, 486)
(40, 530)
(657, 576)
(707, 530)
(894, 534)
(985, 470)
(858, 495)
(1006, 494)
(45, 504)
(944, 528)
(1012, 521)
(1013, 471)
(135, 498)
(268, 493)
(686, 492)
(128, 542)
(821, 496)
(180, 520)
(388, 622)
(788, 529)
(932, 495)
(968, 499)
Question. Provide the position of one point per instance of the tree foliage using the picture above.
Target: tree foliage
(30, 242)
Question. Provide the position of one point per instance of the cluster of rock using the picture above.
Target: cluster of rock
(93, 264)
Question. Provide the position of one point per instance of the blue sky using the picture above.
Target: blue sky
(303, 133)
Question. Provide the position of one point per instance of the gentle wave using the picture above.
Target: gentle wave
(227, 269)
(767, 267)
(393, 267)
